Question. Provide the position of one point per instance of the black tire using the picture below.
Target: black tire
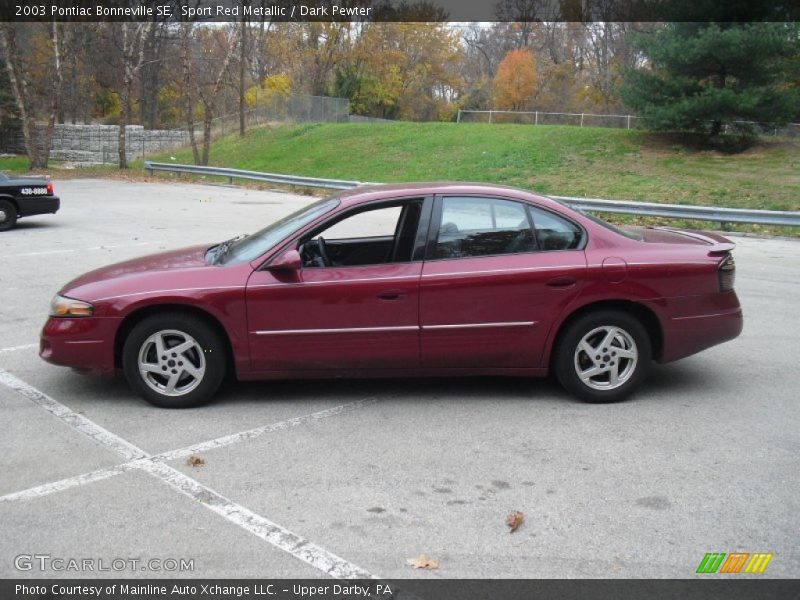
(568, 359)
(173, 330)
(8, 215)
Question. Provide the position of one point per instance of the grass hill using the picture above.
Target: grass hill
(558, 160)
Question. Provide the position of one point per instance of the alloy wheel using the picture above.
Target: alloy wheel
(171, 362)
(606, 358)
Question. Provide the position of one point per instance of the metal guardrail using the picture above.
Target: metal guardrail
(680, 211)
(336, 184)
(649, 209)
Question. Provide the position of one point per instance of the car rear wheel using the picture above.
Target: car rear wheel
(174, 360)
(603, 356)
(8, 215)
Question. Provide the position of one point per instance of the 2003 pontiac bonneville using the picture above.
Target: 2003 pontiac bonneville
(418, 279)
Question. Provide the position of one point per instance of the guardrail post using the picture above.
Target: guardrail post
(490, 116)
(629, 121)
(458, 117)
(536, 118)
(581, 119)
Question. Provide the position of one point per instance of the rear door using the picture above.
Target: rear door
(497, 272)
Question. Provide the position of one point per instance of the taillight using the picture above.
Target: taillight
(727, 274)
(50, 188)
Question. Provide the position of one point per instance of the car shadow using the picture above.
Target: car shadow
(26, 224)
(395, 389)
(676, 379)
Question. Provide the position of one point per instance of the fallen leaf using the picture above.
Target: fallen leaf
(514, 520)
(195, 461)
(423, 562)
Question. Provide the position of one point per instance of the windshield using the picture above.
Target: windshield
(253, 246)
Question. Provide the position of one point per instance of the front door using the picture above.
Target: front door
(353, 305)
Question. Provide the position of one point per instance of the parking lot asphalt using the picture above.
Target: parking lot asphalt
(351, 478)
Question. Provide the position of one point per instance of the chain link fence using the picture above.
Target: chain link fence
(280, 108)
(538, 117)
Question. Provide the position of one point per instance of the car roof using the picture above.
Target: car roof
(377, 192)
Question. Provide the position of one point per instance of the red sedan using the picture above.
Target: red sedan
(418, 279)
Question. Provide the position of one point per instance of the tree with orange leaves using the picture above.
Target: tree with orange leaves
(515, 81)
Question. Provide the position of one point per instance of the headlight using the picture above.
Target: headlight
(68, 307)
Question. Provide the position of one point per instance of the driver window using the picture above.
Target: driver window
(381, 235)
(381, 222)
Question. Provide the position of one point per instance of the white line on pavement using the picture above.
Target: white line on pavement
(16, 348)
(220, 442)
(250, 434)
(88, 428)
(69, 250)
(270, 532)
(65, 484)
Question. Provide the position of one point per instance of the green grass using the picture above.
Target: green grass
(14, 164)
(566, 161)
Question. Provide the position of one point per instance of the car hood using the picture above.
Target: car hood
(173, 260)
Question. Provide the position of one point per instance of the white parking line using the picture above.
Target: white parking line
(251, 434)
(270, 532)
(68, 483)
(17, 348)
(70, 250)
(85, 426)
(220, 442)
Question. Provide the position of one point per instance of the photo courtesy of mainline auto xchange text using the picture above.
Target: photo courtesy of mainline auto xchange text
(435, 299)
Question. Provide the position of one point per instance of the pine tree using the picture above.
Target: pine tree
(709, 78)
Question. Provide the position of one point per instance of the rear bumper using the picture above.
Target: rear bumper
(43, 205)
(714, 320)
(86, 344)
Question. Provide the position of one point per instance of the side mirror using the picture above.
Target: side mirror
(288, 261)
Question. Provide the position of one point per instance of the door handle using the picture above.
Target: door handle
(391, 295)
(562, 282)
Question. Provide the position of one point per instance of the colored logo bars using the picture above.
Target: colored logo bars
(736, 562)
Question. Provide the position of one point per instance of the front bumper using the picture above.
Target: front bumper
(43, 205)
(85, 344)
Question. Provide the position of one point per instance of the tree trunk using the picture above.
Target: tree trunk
(206, 134)
(55, 102)
(242, 59)
(124, 117)
(188, 84)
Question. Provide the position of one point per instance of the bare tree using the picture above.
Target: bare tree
(242, 68)
(55, 99)
(38, 150)
(187, 69)
(131, 47)
(209, 96)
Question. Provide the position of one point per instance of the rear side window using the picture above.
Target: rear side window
(554, 232)
(474, 226)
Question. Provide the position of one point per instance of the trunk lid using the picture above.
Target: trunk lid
(673, 235)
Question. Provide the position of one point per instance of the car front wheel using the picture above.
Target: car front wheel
(174, 360)
(603, 356)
